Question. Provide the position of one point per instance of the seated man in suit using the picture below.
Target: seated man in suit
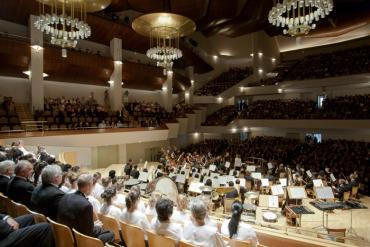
(22, 231)
(45, 197)
(19, 188)
(6, 172)
(75, 211)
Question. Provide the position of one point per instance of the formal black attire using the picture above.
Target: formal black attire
(4, 180)
(76, 212)
(20, 190)
(28, 234)
(45, 199)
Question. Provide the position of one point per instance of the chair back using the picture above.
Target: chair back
(132, 235)
(10, 205)
(239, 243)
(4, 203)
(227, 204)
(83, 240)
(39, 218)
(109, 223)
(62, 234)
(339, 234)
(346, 195)
(185, 244)
(20, 209)
(159, 240)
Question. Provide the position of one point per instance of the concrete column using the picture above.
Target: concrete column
(36, 66)
(167, 92)
(190, 91)
(115, 92)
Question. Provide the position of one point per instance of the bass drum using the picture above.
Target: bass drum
(167, 187)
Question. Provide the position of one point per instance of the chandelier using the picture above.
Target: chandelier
(298, 17)
(164, 31)
(65, 20)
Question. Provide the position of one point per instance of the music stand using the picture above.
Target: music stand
(323, 193)
(297, 193)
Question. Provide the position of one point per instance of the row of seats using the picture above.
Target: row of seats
(131, 235)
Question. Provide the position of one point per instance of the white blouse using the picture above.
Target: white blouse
(180, 217)
(112, 211)
(136, 218)
(201, 235)
(244, 232)
(171, 229)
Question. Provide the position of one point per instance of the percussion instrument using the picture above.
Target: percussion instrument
(327, 206)
(270, 217)
(224, 190)
(167, 187)
(300, 210)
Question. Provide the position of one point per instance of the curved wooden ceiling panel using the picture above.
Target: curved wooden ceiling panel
(147, 6)
(193, 9)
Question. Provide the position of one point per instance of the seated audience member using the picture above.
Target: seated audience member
(70, 184)
(98, 188)
(22, 231)
(150, 209)
(197, 231)
(141, 206)
(112, 175)
(163, 224)
(179, 215)
(19, 188)
(76, 211)
(234, 229)
(108, 208)
(45, 197)
(132, 215)
(6, 172)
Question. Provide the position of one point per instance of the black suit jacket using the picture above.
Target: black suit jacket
(5, 229)
(135, 174)
(75, 211)
(20, 190)
(3, 184)
(45, 199)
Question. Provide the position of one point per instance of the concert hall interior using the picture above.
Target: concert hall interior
(179, 123)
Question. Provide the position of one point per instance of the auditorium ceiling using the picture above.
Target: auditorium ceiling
(231, 18)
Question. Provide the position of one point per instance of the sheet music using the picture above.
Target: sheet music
(212, 168)
(283, 182)
(317, 183)
(309, 174)
(324, 193)
(143, 176)
(195, 187)
(214, 174)
(265, 182)
(273, 202)
(215, 183)
(277, 189)
(332, 177)
(297, 192)
(230, 178)
(256, 175)
(238, 162)
(227, 164)
(242, 181)
(251, 168)
(180, 178)
(222, 180)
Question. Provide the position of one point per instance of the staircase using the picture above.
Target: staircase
(24, 112)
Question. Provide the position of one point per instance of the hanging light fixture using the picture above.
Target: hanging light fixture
(299, 17)
(65, 20)
(164, 31)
